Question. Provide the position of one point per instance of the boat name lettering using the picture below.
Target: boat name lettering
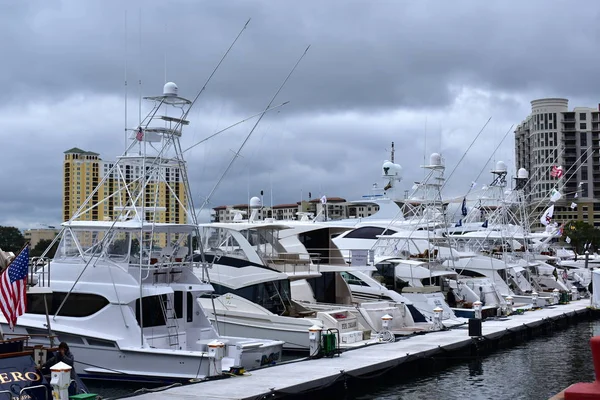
(18, 376)
(267, 360)
(348, 325)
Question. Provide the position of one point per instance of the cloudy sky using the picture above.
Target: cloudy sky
(425, 74)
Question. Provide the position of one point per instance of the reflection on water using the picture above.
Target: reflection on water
(533, 370)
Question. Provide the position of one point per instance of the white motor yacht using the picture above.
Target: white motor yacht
(122, 291)
(253, 294)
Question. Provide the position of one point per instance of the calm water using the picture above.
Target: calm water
(536, 369)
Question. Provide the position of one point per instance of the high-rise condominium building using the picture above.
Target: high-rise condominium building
(84, 170)
(554, 136)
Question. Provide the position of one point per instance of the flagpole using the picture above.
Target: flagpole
(19, 253)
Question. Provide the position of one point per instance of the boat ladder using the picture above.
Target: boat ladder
(171, 321)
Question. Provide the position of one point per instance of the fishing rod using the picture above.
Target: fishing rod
(150, 116)
(486, 163)
(234, 125)
(426, 178)
(464, 154)
(587, 154)
(235, 156)
(216, 68)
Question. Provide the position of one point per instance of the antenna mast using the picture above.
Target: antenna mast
(125, 79)
(392, 158)
(140, 71)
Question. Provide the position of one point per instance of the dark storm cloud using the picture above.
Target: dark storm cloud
(364, 55)
(426, 75)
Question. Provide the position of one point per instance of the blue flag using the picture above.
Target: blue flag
(463, 209)
(459, 223)
(485, 224)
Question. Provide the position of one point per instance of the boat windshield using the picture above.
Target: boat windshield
(222, 241)
(265, 241)
(120, 246)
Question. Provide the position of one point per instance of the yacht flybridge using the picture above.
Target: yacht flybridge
(122, 291)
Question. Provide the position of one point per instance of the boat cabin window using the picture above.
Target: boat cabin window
(433, 281)
(368, 232)
(274, 295)
(352, 279)
(151, 311)
(178, 297)
(77, 304)
(190, 307)
(385, 274)
(323, 288)
(502, 273)
(472, 274)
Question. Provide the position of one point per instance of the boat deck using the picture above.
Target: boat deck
(297, 377)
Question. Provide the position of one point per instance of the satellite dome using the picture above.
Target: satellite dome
(255, 203)
(435, 159)
(522, 173)
(390, 169)
(170, 89)
(500, 166)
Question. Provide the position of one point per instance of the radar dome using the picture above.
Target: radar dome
(170, 89)
(435, 159)
(255, 203)
(500, 166)
(390, 169)
(522, 173)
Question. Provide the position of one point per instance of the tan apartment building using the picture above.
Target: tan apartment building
(34, 236)
(84, 170)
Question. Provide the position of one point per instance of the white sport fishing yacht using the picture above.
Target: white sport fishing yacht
(122, 291)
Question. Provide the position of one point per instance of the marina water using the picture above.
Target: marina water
(532, 370)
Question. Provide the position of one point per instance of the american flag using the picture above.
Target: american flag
(556, 171)
(13, 286)
(140, 134)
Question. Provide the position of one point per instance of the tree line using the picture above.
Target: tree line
(11, 239)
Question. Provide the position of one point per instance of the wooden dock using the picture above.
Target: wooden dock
(298, 377)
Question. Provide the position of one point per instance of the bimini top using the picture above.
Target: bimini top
(131, 225)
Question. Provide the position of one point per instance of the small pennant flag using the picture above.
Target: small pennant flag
(463, 208)
(473, 184)
(568, 239)
(555, 196)
(140, 134)
(546, 218)
(485, 224)
(576, 195)
(459, 223)
(573, 206)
